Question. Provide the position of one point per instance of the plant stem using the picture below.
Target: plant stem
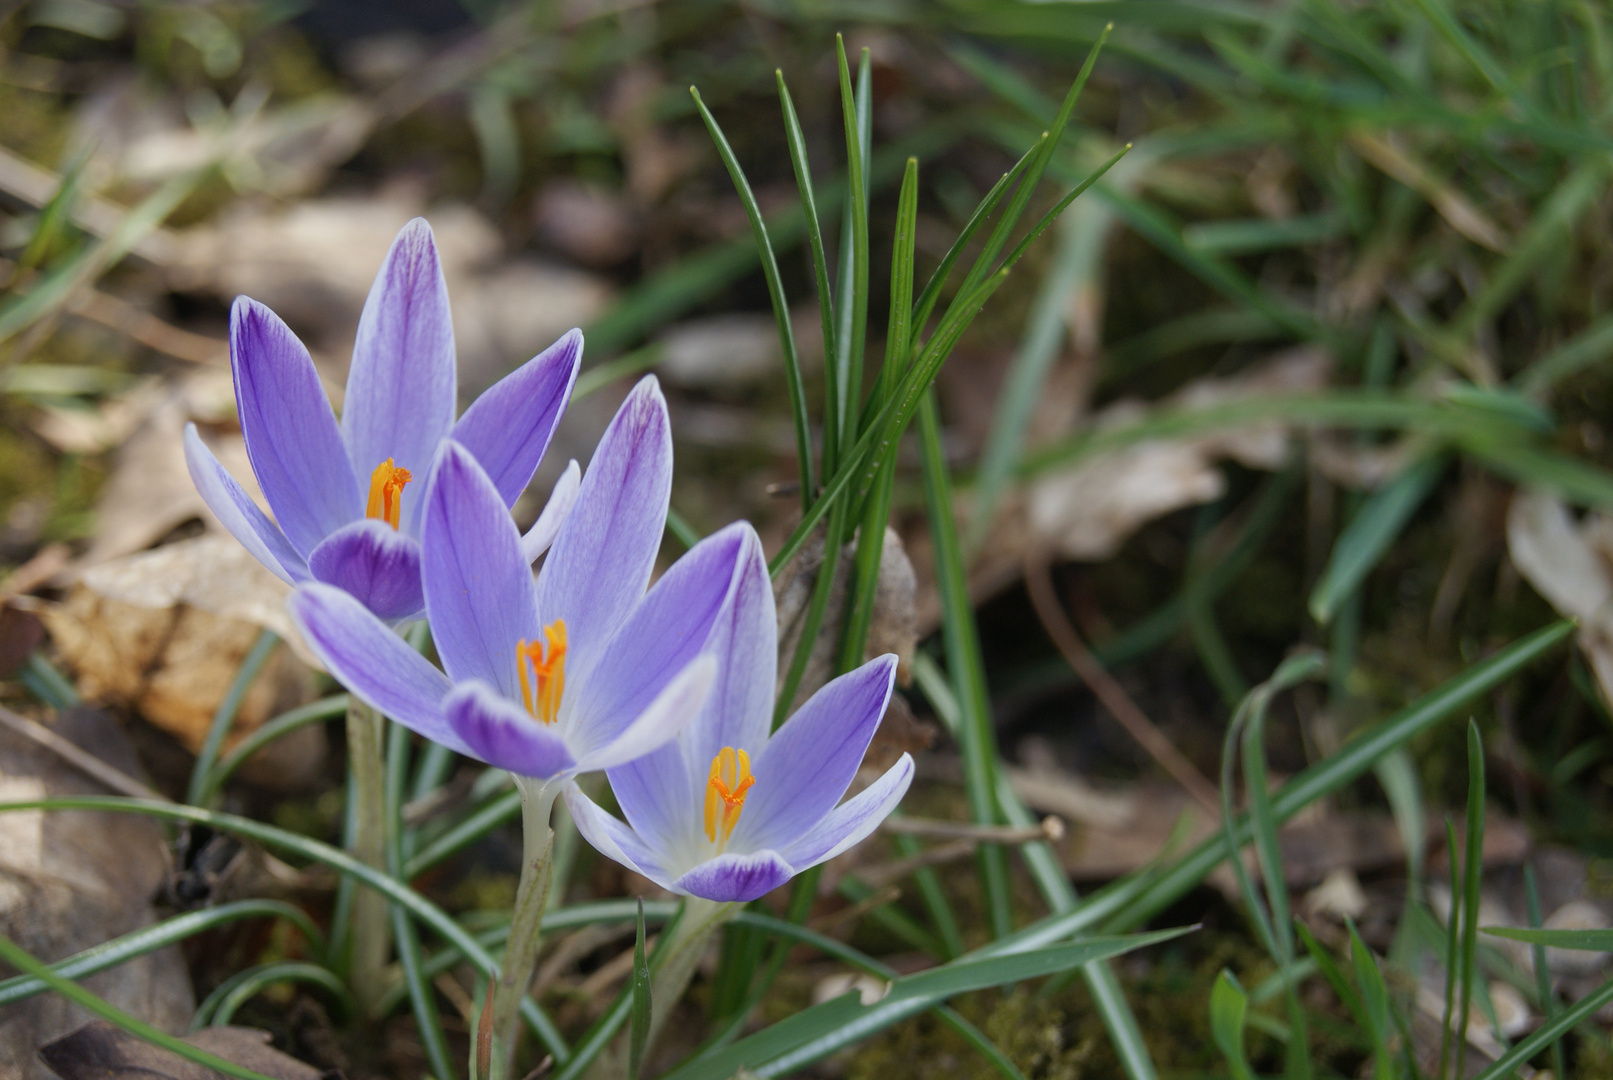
(526, 922)
(371, 920)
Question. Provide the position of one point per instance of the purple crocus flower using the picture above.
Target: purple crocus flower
(345, 512)
(729, 812)
(580, 670)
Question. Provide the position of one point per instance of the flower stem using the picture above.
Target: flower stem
(526, 922)
(371, 919)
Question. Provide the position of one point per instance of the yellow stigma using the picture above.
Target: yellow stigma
(386, 492)
(542, 686)
(726, 788)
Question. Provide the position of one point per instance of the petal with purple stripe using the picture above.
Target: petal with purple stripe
(374, 562)
(291, 435)
(677, 703)
(739, 712)
(852, 821)
(810, 761)
(478, 588)
(731, 877)
(400, 398)
(509, 427)
(501, 733)
(612, 839)
(365, 656)
(601, 561)
(536, 540)
(237, 512)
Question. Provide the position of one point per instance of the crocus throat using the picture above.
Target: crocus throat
(386, 492)
(543, 672)
(726, 788)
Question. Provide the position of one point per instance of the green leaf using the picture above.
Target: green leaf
(250, 667)
(1472, 881)
(1375, 1004)
(813, 1033)
(1507, 1064)
(1582, 940)
(1229, 1006)
(639, 1033)
(1370, 533)
(28, 965)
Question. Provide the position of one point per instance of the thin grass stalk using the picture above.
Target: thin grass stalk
(220, 1009)
(29, 965)
(1453, 923)
(422, 998)
(1543, 988)
(526, 921)
(820, 267)
(228, 709)
(370, 923)
(483, 820)
(851, 335)
(812, 624)
(979, 740)
(775, 294)
(1472, 879)
(316, 712)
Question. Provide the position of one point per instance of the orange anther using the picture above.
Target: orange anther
(386, 492)
(726, 788)
(548, 672)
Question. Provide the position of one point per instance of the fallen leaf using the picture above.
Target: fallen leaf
(103, 1051)
(73, 879)
(1570, 564)
(892, 630)
(163, 632)
(1087, 511)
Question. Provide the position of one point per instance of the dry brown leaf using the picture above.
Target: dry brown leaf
(73, 879)
(1089, 510)
(1569, 564)
(893, 629)
(103, 1051)
(163, 632)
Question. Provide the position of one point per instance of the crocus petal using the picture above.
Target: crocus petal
(810, 761)
(601, 561)
(612, 839)
(660, 721)
(851, 822)
(478, 588)
(291, 436)
(668, 628)
(373, 662)
(400, 398)
(509, 427)
(537, 539)
(375, 563)
(502, 734)
(237, 512)
(739, 712)
(736, 877)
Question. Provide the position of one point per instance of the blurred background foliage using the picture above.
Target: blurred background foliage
(1321, 362)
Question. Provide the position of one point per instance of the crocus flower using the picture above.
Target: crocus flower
(577, 671)
(346, 499)
(729, 812)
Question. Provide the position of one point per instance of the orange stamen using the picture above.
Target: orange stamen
(386, 492)
(542, 688)
(726, 788)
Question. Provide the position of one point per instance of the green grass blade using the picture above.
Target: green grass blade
(1591, 346)
(809, 212)
(1370, 533)
(978, 735)
(1453, 946)
(224, 716)
(1229, 1006)
(852, 333)
(418, 906)
(817, 606)
(1472, 880)
(316, 712)
(1375, 1002)
(28, 965)
(639, 1032)
(503, 808)
(815, 1032)
(1543, 988)
(259, 979)
(1507, 1064)
(683, 532)
(775, 295)
(149, 939)
(422, 997)
(1583, 940)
